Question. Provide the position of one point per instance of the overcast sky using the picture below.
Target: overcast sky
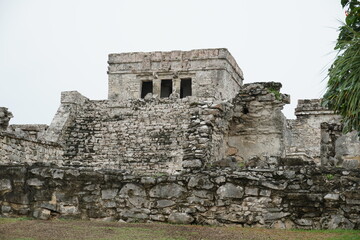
(49, 46)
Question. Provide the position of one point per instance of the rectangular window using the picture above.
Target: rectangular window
(185, 87)
(147, 87)
(166, 88)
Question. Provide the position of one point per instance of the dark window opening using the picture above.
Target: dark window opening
(166, 88)
(185, 87)
(147, 87)
(245, 110)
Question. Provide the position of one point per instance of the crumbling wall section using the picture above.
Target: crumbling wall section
(5, 116)
(303, 136)
(30, 131)
(257, 128)
(338, 149)
(297, 197)
(20, 150)
(71, 102)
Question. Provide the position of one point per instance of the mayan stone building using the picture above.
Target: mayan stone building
(182, 139)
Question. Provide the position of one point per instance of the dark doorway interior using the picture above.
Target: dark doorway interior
(185, 87)
(147, 87)
(166, 88)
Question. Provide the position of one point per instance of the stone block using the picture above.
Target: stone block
(180, 218)
(68, 210)
(229, 190)
(251, 191)
(109, 193)
(171, 190)
(5, 209)
(200, 182)
(192, 163)
(304, 222)
(35, 182)
(5, 185)
(42, 214)
(332, 196)
(164, 203)
(134, 195)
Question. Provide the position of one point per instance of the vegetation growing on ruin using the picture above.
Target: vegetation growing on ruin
(276, 93)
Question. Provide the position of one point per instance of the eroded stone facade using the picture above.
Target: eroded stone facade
(191, 143)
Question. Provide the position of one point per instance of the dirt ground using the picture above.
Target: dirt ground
(24, 229)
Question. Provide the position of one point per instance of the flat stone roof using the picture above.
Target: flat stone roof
(173, 56)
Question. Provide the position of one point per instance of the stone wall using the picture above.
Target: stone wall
(30, 131)
(338, 149)
(21, 150)
(303, 135)
(290, 197)
(214, 73)
(145, 135)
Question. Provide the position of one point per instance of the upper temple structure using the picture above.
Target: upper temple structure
(208, 73)
(182, 139)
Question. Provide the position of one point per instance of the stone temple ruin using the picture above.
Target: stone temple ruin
(181, 139)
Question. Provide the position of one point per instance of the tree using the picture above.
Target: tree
(343, 87)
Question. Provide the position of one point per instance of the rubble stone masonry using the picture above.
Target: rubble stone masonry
(181, 139)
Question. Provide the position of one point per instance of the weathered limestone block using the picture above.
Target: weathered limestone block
(35, 182)
(5, 185)
(192, 163)
(42, 214)
(336, 222)
(275, 215)
(230, 190)
(252, 191)
(109, 194)
(200, 182)
(164, 203)
(180, 218)
(168, 191)
(68, 210)
(332, 196)
(135, 214)
(134, 195)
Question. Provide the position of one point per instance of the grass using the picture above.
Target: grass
(341, 234)
(26, 229)
(4, 220)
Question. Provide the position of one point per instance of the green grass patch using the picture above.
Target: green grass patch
(340, 234)
(23, 239)
(12, 220)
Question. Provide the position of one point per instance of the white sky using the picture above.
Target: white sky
(49, 46)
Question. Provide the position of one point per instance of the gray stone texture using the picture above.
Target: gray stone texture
(5, 116)
(225, 154)
(172, 199)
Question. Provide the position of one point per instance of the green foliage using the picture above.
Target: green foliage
(276, 93)
(241, 164)
(343, 88)
(329, 177)
(11, 220)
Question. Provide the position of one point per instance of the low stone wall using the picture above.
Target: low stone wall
(297, 197)
(19, 150)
